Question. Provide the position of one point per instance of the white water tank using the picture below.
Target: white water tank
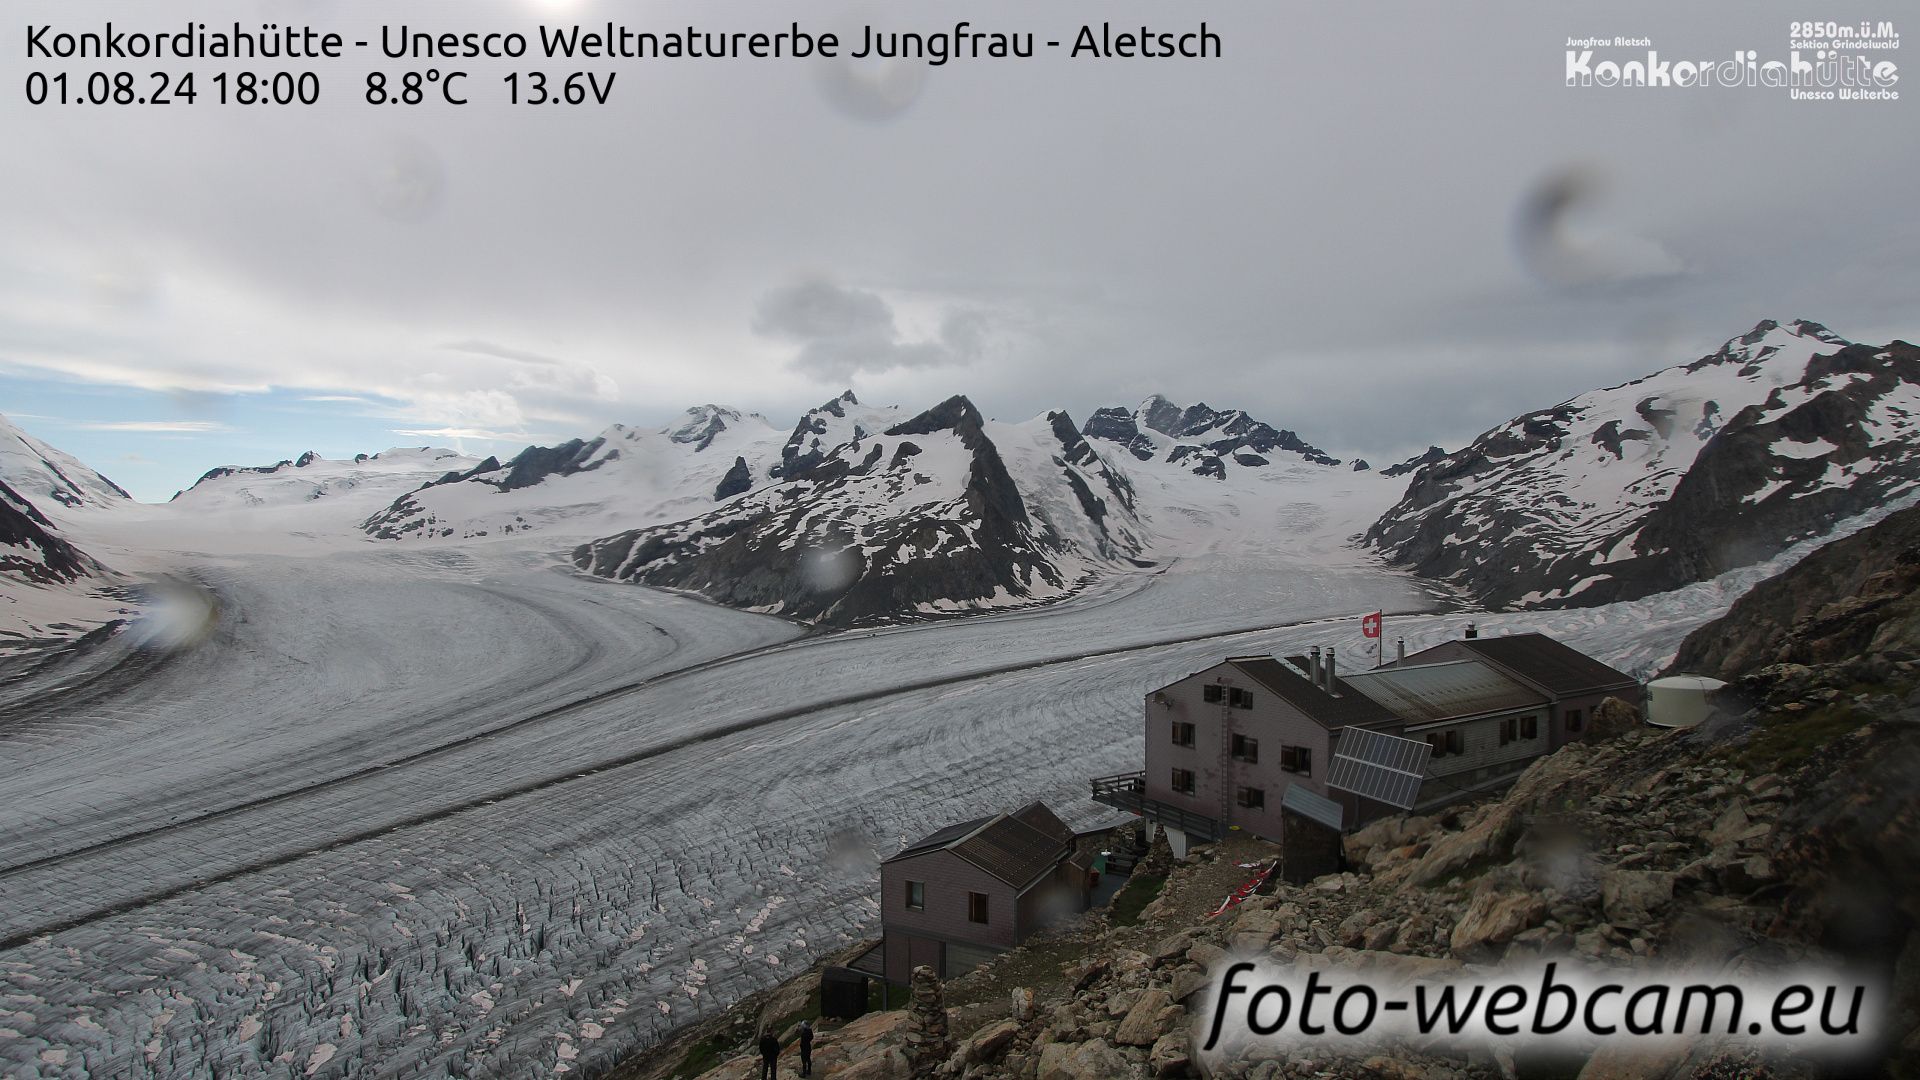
(1680, 701)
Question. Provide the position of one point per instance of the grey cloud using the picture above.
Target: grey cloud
(842, 332)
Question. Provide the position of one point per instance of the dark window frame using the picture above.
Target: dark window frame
(1574, 720)
(1180, 728)
(1246, 749)
(916, 888)
(1456, 741)
(1250, 798)
(1530, 726)
(1239, 698)
(1297, 759)
(978, 908)
(1175, 782)
(1213, 693)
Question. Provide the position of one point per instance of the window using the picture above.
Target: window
(1252, 798)
(1573, 719)
(1245, 749)
(1438, 741)
(977, 907)
(916, 896)
(1506, 731)
(1183, 781)
(1296, 759)
(1212, 693)
(1182, 733)
(1240, 699)
(1530, 727)
(1456, 742)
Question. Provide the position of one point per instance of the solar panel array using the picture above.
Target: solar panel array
(1314, 807)
(1382, 767)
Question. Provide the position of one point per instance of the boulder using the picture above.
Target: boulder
(1090, 1060)
(1172, 1055)
(1493, 918)
(987, 1044)
(1644, 1059)
(1631, 897)
(883, 1064)
(1353, 928)
(1142, 1025)
(1610, 720)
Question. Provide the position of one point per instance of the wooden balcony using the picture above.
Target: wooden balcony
(1128, 791)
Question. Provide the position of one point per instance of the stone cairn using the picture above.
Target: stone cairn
(926, 1041)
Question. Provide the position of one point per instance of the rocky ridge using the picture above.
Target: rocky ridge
(1198, 438)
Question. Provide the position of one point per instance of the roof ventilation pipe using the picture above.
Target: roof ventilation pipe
(1330, 674)
(1313, 665)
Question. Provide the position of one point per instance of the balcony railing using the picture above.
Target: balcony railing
(1128, 791)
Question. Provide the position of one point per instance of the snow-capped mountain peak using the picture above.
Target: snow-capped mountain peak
(589, 487)
(941, 512)
(703, 424)
(1688, 472)
(1770, 337)
(833, 424)
(52, 478)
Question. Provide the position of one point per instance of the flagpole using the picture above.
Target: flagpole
(1380, 643)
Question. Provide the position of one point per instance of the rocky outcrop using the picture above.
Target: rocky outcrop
(1414, 463)
(738, 479)
(1851, 599)
(1203, 440)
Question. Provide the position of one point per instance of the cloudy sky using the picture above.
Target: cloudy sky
(1381, 225)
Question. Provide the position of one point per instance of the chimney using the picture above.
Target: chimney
(1330, 683)
(1400, 650)
(1313, 665)
(1473, 631)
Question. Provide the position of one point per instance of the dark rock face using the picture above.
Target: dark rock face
(1118, 425)
(1742, 502)
(1851, 598)
(537, 463)
(32, 549)
(1643, 488)
(852, 540)
(1206, 439)
(738, 479)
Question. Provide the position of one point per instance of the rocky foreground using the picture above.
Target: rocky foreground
(1785, 831)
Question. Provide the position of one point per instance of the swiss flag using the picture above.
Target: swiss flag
(1370, 624)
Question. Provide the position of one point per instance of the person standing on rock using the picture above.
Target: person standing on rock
(806, 1048)
(769, 1057)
